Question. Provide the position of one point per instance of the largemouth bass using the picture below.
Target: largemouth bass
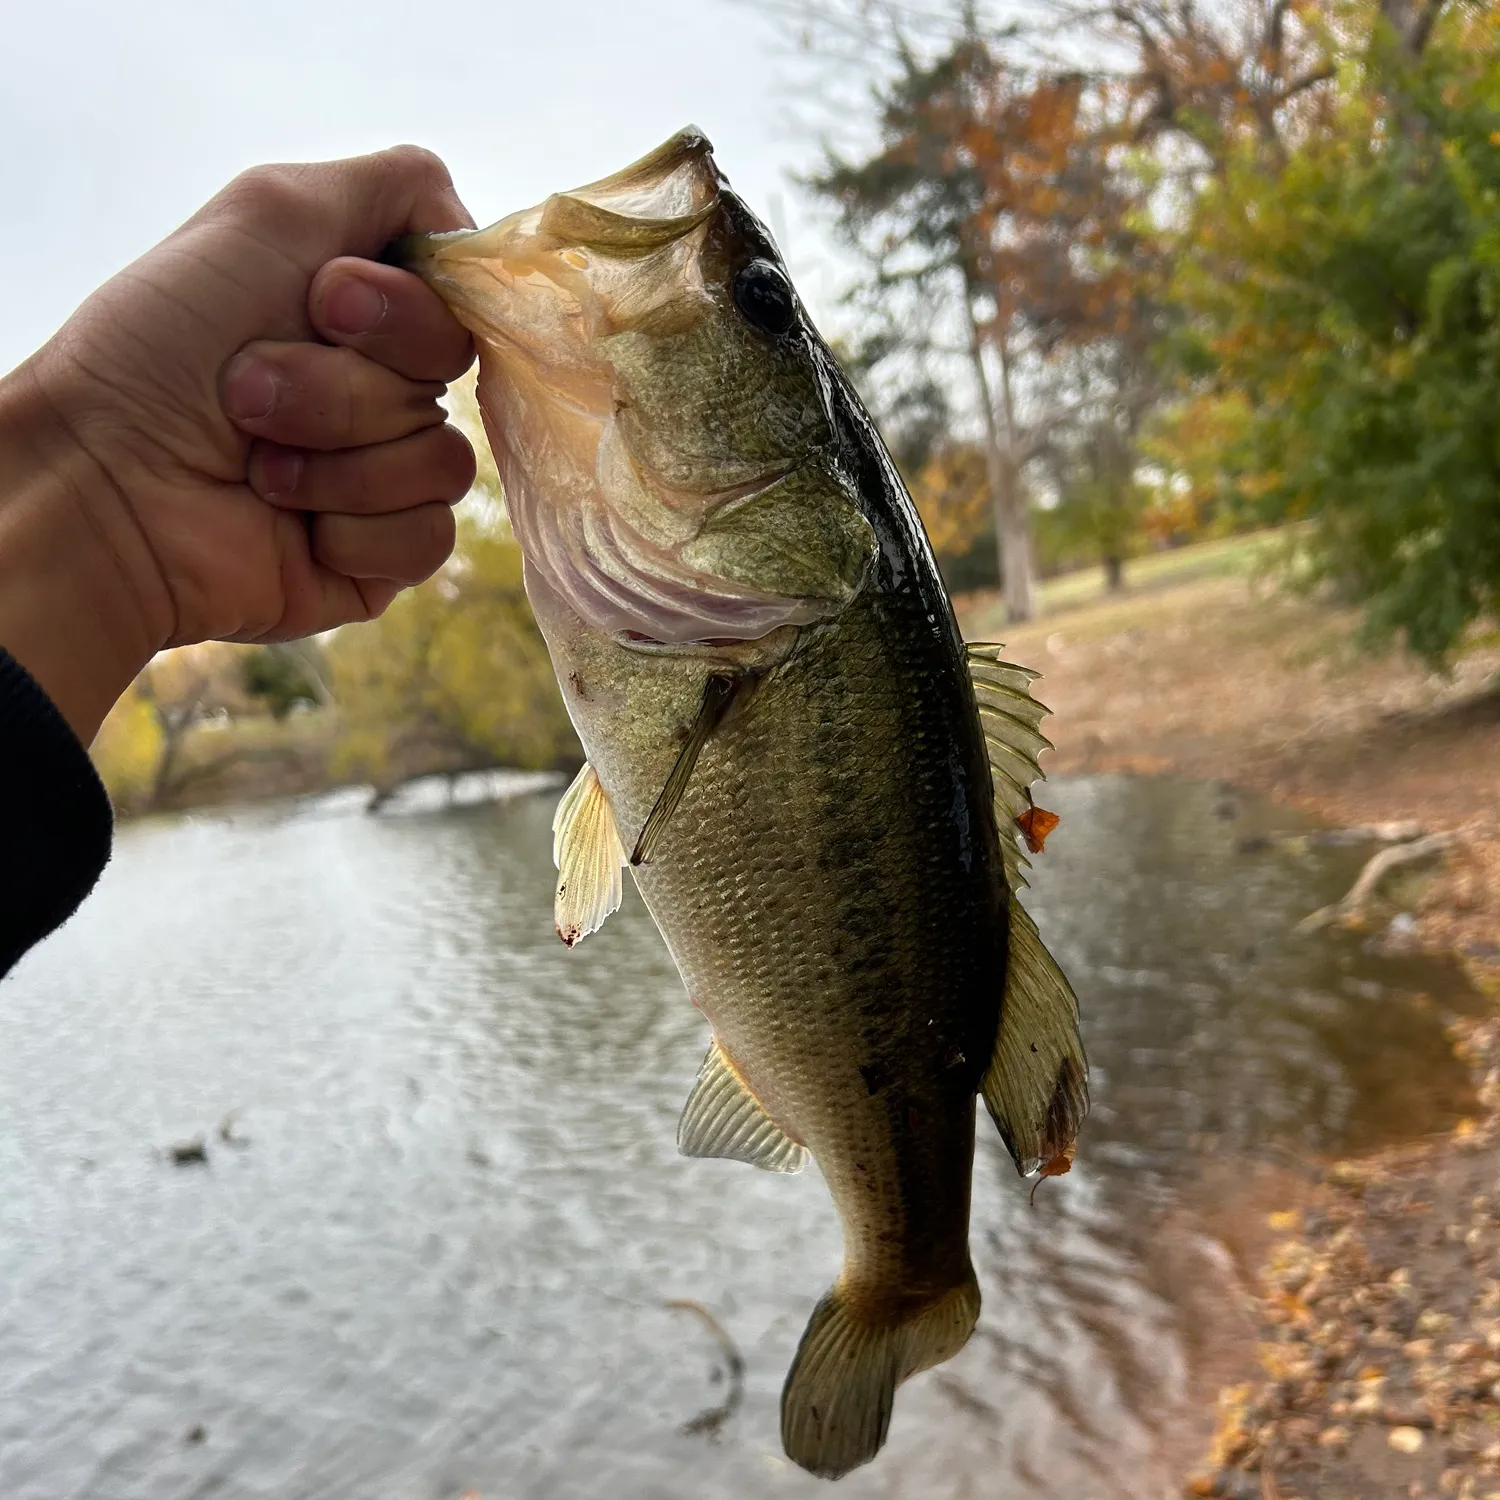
(814, 783)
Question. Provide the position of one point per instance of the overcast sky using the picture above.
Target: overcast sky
(118, 119)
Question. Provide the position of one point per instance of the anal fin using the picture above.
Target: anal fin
(589, 855)
(723, 1118)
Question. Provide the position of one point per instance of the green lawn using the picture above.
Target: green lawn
(1223, 557)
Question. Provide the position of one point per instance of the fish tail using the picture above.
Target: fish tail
(836, 1404)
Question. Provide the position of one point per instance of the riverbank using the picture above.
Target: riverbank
(1208, 670)
(1377, 1326)
(1370, 1364)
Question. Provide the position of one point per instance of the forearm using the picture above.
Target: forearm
(69, 552)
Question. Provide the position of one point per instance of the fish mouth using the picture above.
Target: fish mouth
(545, 292)
(659, 199)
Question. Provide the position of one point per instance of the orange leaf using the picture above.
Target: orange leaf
(1035, 824)
(1060, 1164)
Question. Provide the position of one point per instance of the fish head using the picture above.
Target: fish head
(658, 405)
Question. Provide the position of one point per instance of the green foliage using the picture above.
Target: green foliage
(127, 751)
(1351, 305)
(455, 673)
(279, 678)
(1097, 522)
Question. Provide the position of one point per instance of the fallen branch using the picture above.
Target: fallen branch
(713, 1419)
(1366, 833)
(1351, 910)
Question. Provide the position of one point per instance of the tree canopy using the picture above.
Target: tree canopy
(1351, 304)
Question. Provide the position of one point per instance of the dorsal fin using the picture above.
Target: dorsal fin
(1036, 1086)
(589, 856)
(723, 1118)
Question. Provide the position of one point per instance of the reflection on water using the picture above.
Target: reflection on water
(439, 1258)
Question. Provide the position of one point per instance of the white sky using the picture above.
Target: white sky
(118, 117)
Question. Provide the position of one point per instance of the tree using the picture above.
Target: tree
(1354, 301)
(142, 747)
(1002, 192)
(285, 676)
(455, 675)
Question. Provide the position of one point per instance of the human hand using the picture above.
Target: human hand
(236, 438)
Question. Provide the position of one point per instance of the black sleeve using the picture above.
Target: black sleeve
(55, 822)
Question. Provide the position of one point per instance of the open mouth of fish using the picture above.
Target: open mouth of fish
(602, 523)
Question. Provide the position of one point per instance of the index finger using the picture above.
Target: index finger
(316, 211)
(391, 316)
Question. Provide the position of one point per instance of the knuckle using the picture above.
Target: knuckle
(420, 165)
(271, 194)
(341, 397)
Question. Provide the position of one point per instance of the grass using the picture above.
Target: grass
(1219, 558)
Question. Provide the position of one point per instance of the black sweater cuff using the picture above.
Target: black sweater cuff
(55, 820)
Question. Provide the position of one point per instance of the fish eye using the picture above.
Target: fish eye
(764, 297)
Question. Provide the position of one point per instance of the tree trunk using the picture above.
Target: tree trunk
(1020, 570)
(1114, 572)
(174, 727)
(1012, 524)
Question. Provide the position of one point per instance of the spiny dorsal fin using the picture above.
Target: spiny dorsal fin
(1009, 716)
(718, 693)
(589, 855)
(1036, 1086)
(723, 1118)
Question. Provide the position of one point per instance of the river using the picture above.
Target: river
(435, 1253)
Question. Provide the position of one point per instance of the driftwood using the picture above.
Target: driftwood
(1365, 833)
(713, 1419)
(1351, 910)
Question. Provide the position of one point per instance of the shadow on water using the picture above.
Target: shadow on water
(445, 1258)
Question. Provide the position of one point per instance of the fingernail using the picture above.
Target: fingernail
(353, 306)
(251, 389)
(280, 472)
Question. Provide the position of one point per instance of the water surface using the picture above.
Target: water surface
(438, 1258)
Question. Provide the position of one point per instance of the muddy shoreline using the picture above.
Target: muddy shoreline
(1225, 679)
(1370, 1354)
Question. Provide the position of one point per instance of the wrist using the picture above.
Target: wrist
(72, 609)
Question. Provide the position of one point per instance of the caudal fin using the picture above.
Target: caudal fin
(836, 1404)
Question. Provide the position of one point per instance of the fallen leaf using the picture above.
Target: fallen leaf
(1405, 1439)
(1035, 824)
(1060, 1164)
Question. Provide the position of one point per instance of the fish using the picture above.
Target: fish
(814, 783)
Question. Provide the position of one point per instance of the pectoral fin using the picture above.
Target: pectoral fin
(588, 853)
(1036, 1086)
(723, 1118)
(718, 693)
